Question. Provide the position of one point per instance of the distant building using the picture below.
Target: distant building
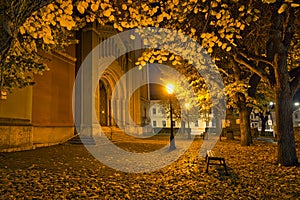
(256, 121)
(296, 118)
(159, 119)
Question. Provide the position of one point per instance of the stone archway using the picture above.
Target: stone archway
(103, 101)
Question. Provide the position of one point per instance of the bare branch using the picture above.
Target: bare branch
(250, 66)
(256, 58)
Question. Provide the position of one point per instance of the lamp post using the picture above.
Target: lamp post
(170, 90)
(187, 106)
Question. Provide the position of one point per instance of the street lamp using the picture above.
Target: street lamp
(187, 106)
(170, 90)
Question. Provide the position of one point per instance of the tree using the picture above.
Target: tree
(29, 28)
(223, 27)
(216, 24)
(277, 75)
(32, 28)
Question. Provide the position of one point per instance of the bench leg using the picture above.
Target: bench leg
(207, 165)
(224, 165)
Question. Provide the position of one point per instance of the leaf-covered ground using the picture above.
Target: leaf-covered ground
(70, 172)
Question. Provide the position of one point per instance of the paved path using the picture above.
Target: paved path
(71, 172)
(270, 140)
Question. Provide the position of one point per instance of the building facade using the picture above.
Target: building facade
(42, 114)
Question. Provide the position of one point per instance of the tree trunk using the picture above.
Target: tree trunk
(244, 114)
(264, 120)
(284, 128)
(281, 36)
(246, 138)
(284, 124)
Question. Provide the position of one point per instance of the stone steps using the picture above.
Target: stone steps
(114, 134)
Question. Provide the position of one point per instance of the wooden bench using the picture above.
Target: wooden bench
(211, 156)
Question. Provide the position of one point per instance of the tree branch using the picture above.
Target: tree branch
(255, 58)
(250, 66)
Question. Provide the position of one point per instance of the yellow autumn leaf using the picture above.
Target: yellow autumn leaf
(107, 13)
(32, 29)
(22, 30)
(152, 60)
(33, 45)
(111, 18)
(210, 50)
(132, 37)
(177, 58)
(214, 4)
(35, 35)
(120, 28)
(69, 9)
(214, 38)
(196, 10)
(94, 7)
(103, 6)
(160, 17)
(146, 8)
(50, 7)
(219, 43)
(80, 9)
(124, 6)
(193, 30)
(294, 5)
(224, 46)
(48, 40)
(85, 4)
(172, 57)
(241, 8)
(124, 24)
(255, 18)
(242, 27)
(211, 44)
(282, 8)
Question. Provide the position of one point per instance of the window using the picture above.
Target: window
(154, 123)
(164, 123)
(213, 122)
(196, 124)
(154, 111)
(173, 123)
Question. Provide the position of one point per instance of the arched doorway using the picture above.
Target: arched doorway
(104, 105)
